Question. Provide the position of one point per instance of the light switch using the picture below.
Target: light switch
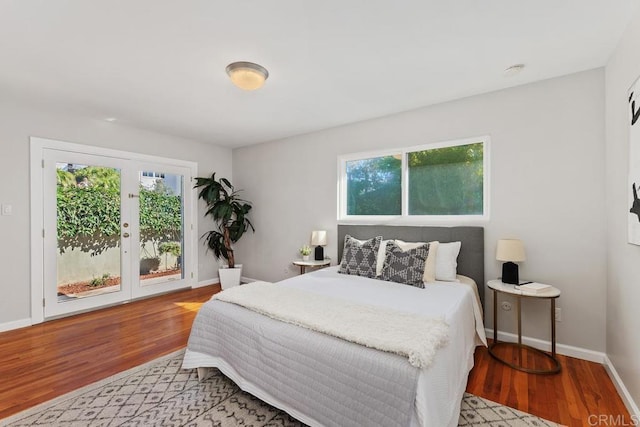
(7, 210)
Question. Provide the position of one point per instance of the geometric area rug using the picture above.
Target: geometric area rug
(160, 393)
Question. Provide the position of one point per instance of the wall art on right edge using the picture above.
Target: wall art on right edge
(634, 164)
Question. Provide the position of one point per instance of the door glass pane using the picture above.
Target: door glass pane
(373, 186)
(88, 230)
(447, 180)
(161, 227)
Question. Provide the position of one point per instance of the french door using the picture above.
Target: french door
(114, 229)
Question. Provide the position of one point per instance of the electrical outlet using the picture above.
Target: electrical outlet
(558, 314)
(506, 306)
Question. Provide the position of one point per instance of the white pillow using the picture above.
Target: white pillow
(382, 252)
(447, 261)
(430, 266)
(407, 246)
(430, 263)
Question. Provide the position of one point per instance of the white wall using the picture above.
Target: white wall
(623, 275)
(18, 123)
(547, 188)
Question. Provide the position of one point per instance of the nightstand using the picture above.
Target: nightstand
(497, 286)
(311, 263)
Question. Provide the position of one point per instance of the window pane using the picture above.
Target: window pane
(447, 181)
(161, 227)
(88, 230)
(373, 186)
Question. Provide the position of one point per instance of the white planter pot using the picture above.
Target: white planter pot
(305, 257)
(230, 277)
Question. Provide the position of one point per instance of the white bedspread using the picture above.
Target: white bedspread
(414, 336)
(440, 386)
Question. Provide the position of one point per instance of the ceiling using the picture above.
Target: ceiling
(160, 64)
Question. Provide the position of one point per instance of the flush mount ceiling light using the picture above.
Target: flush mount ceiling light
(513, 70)
(247, 75)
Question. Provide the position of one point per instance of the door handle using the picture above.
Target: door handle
(125, 235)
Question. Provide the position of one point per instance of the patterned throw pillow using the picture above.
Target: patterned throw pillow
(405, 266)
(358, 257)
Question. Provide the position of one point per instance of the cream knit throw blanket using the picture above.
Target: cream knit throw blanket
(410, 335)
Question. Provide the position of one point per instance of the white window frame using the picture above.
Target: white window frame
(404, 217)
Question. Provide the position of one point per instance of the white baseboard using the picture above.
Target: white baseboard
(214, 280)
(16, 324)
(628, 401)
(206, 283)
(566, 350)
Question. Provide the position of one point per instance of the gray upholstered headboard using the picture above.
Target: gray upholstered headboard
(470, 260)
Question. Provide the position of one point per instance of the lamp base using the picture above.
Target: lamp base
(319, 255)
(510, 273)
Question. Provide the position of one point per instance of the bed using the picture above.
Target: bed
(321, 379)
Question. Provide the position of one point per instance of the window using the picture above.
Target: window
(445, 180)
(373, 186)
(153, 174)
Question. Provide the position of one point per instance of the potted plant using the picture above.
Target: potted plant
(170, 248)
(149, 264)
(229, 213)
(305, 251)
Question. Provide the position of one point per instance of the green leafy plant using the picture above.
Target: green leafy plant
(160, 217)
(172, 248)
(98, 282)
(88, 215)
(305, 250)
(229, 214)
(88, 218)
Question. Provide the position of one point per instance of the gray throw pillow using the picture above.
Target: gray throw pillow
(405, 267)
(359, 257)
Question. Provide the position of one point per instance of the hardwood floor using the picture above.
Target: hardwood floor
(47, 360)
(581, 389)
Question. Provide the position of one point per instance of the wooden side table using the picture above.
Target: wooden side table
(497, 286)
(311, 263)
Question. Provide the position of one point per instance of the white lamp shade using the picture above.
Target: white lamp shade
(510, 250)
(318, 238)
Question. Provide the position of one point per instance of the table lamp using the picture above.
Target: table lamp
(511, 251)
(319, 239)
